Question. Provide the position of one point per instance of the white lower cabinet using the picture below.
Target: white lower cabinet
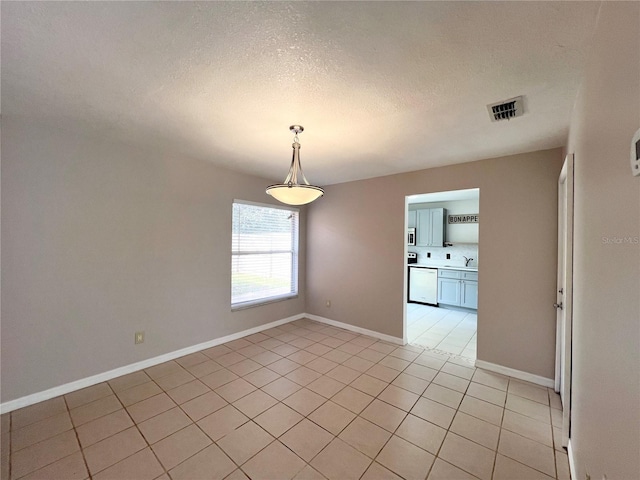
(458, 288)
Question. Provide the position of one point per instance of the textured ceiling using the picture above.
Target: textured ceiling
(380, 87)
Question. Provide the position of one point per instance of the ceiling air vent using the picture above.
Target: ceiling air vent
(506, 110)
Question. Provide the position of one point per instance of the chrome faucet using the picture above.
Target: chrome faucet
(467, 261)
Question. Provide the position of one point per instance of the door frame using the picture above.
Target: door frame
(564, 292)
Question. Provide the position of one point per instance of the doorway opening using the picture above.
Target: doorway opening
(441, 285)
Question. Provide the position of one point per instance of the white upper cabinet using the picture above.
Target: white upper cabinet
(430, 227)
(412, 222)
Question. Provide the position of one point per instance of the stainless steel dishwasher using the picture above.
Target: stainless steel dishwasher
(423, 285)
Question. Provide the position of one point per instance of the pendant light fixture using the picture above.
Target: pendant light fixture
(291, 191)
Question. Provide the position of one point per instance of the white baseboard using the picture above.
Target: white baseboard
(519, 374)
(353, 328)
(572, 462)
(150, 362)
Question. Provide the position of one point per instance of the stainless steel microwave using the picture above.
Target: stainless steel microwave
(411, 236)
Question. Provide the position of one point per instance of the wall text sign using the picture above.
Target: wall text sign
(464, 218)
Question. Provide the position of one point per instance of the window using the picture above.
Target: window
(264, 254)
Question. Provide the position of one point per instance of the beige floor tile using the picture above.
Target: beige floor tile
(210, 463)
(174, 380)
(111, 450)
(451, 381)
(507, 469)
(306, 439)
(556, 417)
(203, 369)
(278, 419)
(222, 422)
(429, 361)
(5, 450)
(103, 427)
(476, 430)
(281, 388)
(442, 470)
(163, 425)
(271, 343)
(309, 473)
(321, 365)
(554, 400)
(238, 344)
(218, 378)
(528, 427)
(237, 474)
(557, 439)
(337, 356)
(229, 359)
(352, 399)
(384, 415)
(386, 348)
(244, 367)
(341, 461)
(266, 358)
(235, 390)
(261, 377)
(409, 382)
(325, 386)
(244, 442)
(141, 466)
(275, 461)
(42, 454)
(303, 376)
(343, 374)
(301, 342)
(283, 366)
(523, 450)
(39, 431)
(138, 393)
(252, 351)
(150, 407)
(420, 371)
(332, 342)
(359, 364)
(458, 370)
(128, 381)
(5, 422)
(369, 385)
(332, 417)
(285, 350)
(88, 395)
(405, 459)
(304, 401)
(394, 362)
(529, 391)
(350, 348)
(255, 403)
(257, 337)
(175, 449)
(408, 353)
(483, 410)
(398, 397)
(378, 472)
(433, 412)
(192, 359)
(383, 373)
(491, 379)
(527, 407)
(203, 405)
(93, 410)
(71, 467)
(468, 456)
(217, 351)
(488, 394)
(371, 355)
(302, 357)
(34, 413)
(365, 437)
(443, 395)
(188, 391)
(425, 435)
(163, 369)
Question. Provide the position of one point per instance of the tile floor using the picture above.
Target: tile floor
(437, 328)
(304, 401)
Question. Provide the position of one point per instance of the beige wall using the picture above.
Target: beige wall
(100, 240)
(605, 423)
(356, 245)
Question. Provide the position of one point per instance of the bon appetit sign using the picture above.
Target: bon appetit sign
(464, 218)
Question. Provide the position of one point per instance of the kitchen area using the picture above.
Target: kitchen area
(442, 271)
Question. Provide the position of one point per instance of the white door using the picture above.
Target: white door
(564, 296)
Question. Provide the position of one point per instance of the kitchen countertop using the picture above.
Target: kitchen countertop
(444, 267)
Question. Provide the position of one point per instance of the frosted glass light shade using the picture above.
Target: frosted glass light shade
(295, 194)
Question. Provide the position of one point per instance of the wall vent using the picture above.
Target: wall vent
(506, 110)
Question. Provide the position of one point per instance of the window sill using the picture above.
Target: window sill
(262, 301)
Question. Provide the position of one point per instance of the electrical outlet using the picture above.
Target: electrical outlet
(448, 256)
(139, 337)
(327, 304)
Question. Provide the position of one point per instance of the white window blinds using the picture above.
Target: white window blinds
(264, 254)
